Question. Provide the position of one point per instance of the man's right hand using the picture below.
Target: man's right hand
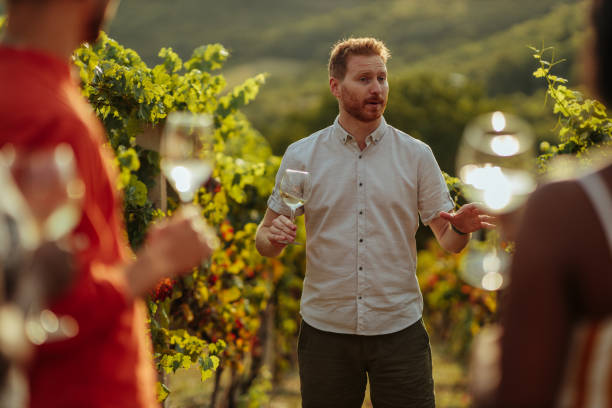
(273, 233)
(281, 231)
(173, 247)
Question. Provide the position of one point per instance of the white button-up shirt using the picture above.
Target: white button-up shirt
(361, 220)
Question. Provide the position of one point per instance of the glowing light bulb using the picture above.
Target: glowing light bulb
(498, 121)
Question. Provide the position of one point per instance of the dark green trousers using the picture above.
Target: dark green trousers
(334, 368)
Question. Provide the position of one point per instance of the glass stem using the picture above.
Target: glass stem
(292, 215)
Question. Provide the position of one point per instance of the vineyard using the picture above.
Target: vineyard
(236, 318)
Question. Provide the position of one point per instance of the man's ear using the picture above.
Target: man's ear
(334, 86)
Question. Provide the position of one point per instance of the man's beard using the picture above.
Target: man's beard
(356, 108)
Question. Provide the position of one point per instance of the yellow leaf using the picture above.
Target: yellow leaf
(230, 295)
(215, 361)
(162, 392)
(202, 293)
(206, 375)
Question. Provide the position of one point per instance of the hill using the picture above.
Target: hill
(483, 40)
(304, 31)
(290, 39)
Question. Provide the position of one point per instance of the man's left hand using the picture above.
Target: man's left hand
(469, 218)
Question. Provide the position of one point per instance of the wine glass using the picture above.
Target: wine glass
(188, 159)
(484, 266)
(187, 152)
(48, 182)
(295, 189)
(496, 163)
(43, 196)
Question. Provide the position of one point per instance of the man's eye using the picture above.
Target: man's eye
(382, 79)
(363, 79)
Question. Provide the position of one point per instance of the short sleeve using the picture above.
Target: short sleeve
(433, 195)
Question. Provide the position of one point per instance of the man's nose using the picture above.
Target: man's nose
(376, 88)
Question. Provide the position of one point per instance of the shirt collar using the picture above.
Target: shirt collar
(345, 137)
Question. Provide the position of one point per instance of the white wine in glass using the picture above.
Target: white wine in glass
(187, 152)
(295, 189)
(188, 159)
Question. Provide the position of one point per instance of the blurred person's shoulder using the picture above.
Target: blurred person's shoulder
(564, 207)
(569, 192)
(561, 192)
(40, 101)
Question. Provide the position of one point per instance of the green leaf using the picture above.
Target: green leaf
(207, 58)
(136, 192)
(128, 158)
(230, 295)
(172, 62)
(540, 72)
(237, 193)
(162, 392)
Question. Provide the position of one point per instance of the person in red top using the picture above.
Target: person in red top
(109, 363)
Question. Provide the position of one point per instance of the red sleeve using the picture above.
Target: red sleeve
(96, 302)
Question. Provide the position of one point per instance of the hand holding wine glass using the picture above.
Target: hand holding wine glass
(177, 244)
(295, 189)
(188, 159)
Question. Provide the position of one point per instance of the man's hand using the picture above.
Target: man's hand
(470, 218)
(282, 231)
(273, 233)
(173, 247)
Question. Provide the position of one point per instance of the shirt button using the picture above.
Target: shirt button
(361, 268)
(360, 239)
(360, 184)
(360, 156)
(360, 212)
(360, 298)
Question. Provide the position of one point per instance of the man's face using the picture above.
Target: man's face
(363, 91)
(102, 11)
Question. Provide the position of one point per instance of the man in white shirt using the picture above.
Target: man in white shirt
(361, 304)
